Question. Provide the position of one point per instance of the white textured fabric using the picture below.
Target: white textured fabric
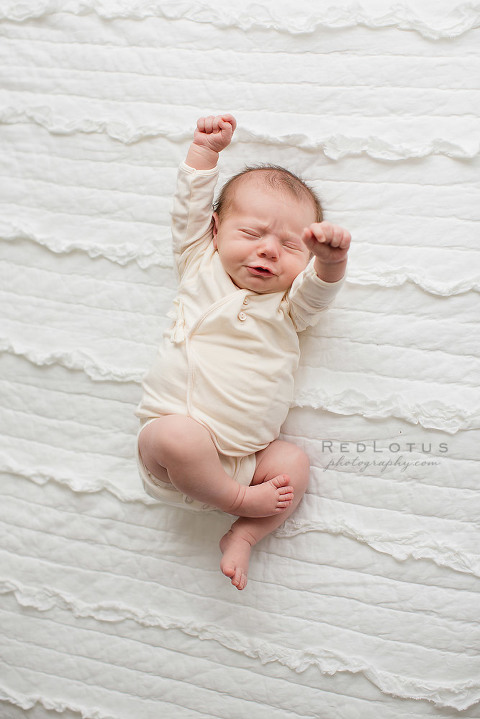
(365, 604)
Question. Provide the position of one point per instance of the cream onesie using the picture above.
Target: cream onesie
(229, 358)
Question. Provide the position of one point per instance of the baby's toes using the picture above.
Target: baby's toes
(239, 579)
(284, 500)
(281, 481)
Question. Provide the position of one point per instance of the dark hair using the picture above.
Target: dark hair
(275, 176)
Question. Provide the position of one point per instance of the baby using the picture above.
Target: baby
(252, 275)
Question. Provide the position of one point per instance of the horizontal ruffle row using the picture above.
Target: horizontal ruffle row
(460, 695)
(334, 147)
(405, 16)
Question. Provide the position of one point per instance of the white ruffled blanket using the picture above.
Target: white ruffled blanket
(365, 604)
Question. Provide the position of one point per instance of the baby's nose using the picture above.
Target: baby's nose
(270, 246)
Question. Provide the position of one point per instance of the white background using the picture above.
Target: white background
(365, 604)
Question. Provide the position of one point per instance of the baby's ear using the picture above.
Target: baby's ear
(215, 222)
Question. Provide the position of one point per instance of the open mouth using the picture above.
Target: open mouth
(260, 271)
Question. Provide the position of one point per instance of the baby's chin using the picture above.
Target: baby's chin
(261, 286)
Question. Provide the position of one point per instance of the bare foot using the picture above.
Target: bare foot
(263, 500)
(236, 554)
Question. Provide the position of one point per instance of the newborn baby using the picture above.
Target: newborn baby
(253, 273)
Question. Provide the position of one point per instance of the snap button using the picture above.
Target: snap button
(188, 500)
(245, 301)
(242, 316)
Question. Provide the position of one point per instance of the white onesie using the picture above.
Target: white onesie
(229, 358)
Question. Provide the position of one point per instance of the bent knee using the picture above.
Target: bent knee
(292, 460)
(157, 441)
(302, 467)
(293, 453)
(170, 438)
(297, 466)
(148, 447)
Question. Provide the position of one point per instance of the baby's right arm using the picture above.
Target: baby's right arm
(192, 204)
(213, 134)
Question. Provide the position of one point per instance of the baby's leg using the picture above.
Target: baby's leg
(237, 543)
(184, 448)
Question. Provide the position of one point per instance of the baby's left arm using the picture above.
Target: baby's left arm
(330, 244)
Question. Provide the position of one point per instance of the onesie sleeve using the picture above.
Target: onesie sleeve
(192, 213)
(309, 296)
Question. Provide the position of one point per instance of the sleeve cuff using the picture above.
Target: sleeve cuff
(192, 171)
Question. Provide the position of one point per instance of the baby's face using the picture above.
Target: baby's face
(259, 237)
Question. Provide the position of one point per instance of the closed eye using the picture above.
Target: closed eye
(293, 246)
(250, 233)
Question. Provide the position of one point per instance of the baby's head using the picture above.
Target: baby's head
(258, 222)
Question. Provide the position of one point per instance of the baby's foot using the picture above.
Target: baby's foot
(263, 500)
(236, 554)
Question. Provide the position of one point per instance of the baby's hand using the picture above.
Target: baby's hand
(330, 243)
(215, 133)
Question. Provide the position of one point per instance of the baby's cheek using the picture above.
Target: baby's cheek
(301, 264)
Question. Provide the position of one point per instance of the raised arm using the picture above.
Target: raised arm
(213, 134)
(314, 289)
(330, 244)
(192, 203)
